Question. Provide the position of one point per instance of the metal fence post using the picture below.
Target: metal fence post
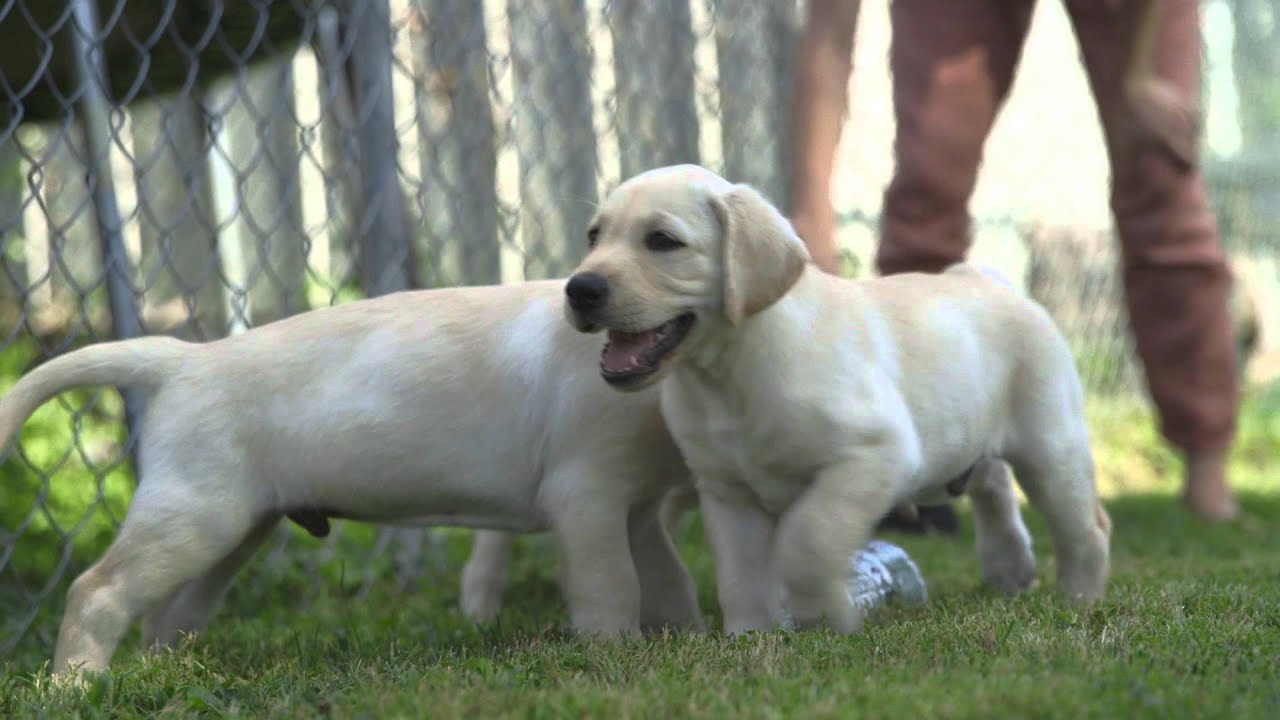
(755, 41)
(382, 231)
(555, 141)
(458, 197)
(13, 270)
(343, 185)
(1256, 55)
(74, 241)
(175, 215)
(93, 109)
(653, 62)
(261, 125)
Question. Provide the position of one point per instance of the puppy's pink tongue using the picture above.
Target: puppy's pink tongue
(625, 351)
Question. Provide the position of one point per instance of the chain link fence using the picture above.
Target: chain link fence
(198, 168)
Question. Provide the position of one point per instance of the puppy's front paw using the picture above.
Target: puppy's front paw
(809, 602)
(1084, 568)
(606, 630)
(756, 620)
(812, 563)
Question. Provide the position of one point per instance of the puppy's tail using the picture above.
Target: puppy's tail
(1101, 517)
(142, 362)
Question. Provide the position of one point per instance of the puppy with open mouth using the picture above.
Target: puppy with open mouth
(808, 405)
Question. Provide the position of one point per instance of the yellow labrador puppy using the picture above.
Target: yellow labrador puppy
(808, 405)
(475, 407)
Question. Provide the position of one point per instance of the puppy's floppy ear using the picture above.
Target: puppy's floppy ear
(763, 256)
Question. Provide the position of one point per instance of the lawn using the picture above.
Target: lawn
(1191, 628)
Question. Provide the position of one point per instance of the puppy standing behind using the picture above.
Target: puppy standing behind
(476, 407)
(808, 405)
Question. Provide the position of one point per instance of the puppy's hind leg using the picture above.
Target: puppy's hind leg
(1057, 476)
(168, 537)
(189, 608)
(1003, 543)
(484, 578)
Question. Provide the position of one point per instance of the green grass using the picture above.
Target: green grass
(1191, 628)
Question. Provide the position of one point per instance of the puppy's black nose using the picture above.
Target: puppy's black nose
(587, 291)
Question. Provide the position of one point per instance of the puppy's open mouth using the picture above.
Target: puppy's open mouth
(629, 358)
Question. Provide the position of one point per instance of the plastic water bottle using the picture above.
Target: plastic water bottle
(881, 572)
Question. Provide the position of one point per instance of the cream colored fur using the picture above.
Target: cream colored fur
(476, 407)
(808, 405)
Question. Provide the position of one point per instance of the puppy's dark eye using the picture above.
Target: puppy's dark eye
(592, 236)
(659, 241)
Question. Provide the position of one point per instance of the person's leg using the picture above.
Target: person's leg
(1176, 278)
(953, 62)
(824, 61)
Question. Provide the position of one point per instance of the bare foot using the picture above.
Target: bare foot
(1206, 492)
